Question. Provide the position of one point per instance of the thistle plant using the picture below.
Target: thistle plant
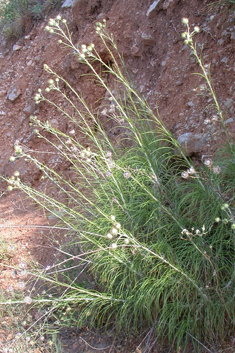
(155, 232)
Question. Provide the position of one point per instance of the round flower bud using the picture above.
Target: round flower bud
(10, 188)
(118, 225)
(185, 21)
(185, 175)
(126, 241)
(233, 226)
(12, 159)
(113, 218)
(114, 231)
(58, 17)
(16, 174)
(196, 29)
(109, 236)
(28, 300)
(114, 246)
(217, 219)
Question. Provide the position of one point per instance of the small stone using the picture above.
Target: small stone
(169, 4)
(29, 109)
(232, 37)
(148, 39)
(229, 102)
(190, 104)
(229, 121)
(55, 123)
(220, 41)
(135, 51)
(27, 37)
(67, 3)
(179, 83)
(154, 8)
(193, 143)
(16, 47)
(224, 60)
(224, 33)
(14, 93)
(2, 93)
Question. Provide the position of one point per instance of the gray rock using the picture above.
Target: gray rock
(67, 3)
(220, 41)
(169, 4)
(29, 109)
(190, 104)
(229, 121)
(148, 39)
(16, 47)
(14, 93)
(193, 143)
(232, 37)
(224, 60)
(154, 8)
(135, 51)
(229, 102)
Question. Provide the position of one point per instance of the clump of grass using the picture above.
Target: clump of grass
(17, 17)
(155, 232)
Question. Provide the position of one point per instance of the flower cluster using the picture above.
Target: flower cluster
(194, 232)
(86, 154)
(99, 26)
(54, 24)
(188, 172)
(14, 181)
(115, 232)
(209, 163)
(187, 35)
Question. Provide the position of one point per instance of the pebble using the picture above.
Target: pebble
(16, 47)
(14, 93)
(232, 37)
(154, 8)
(224, 60)
(228, 121)
(229, 102)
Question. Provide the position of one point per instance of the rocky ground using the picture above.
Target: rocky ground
(148, 34)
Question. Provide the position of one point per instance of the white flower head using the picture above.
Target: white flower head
(114, 246)
(185, 21)
(109, 236)
(184, 175)
(208, 162)
(191, 170)
(127, 174)
(109, 154)
(28, 300)
(216, 169)
(114, 231)
(118, 225)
